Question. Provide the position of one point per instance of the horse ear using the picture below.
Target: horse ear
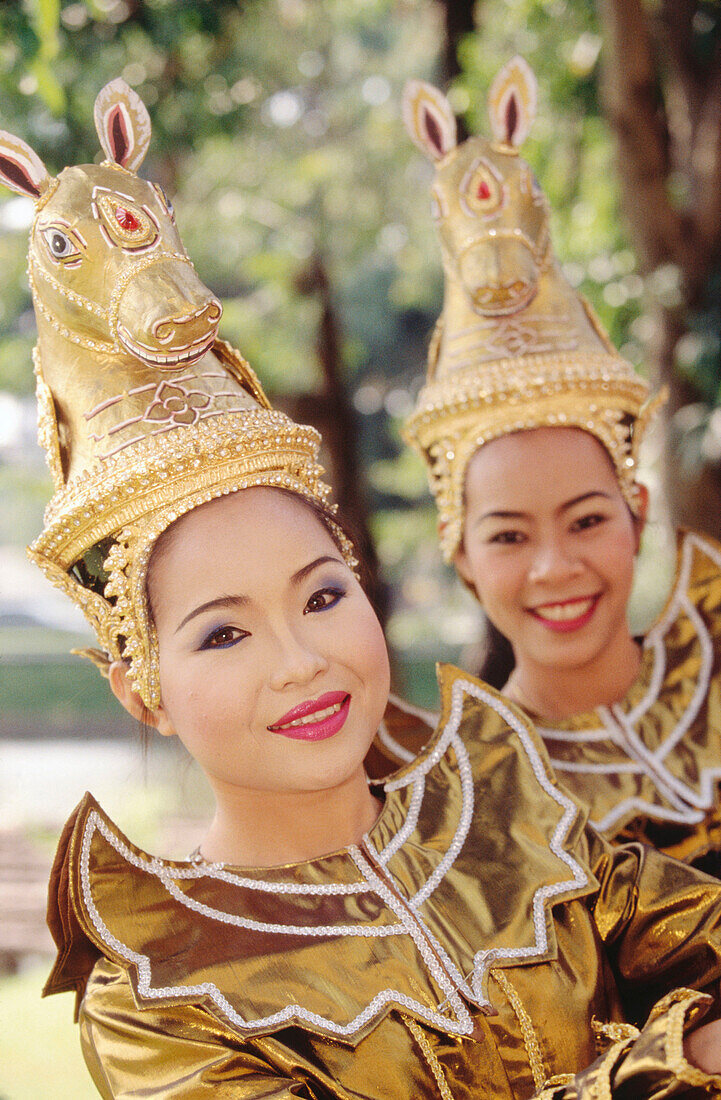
(123, 124)
(512, 102)
(20, 168)
(429, 119)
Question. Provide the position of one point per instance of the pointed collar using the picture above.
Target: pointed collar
(662, 707)
(473, 846)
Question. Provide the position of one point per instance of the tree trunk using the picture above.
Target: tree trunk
(664, 104)
(331, 412)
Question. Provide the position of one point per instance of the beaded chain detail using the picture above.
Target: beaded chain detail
(530, 1039)
(686, 805)
(430, 1056)
(450, 1015)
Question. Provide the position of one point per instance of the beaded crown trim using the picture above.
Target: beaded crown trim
(169, 479)
(144, 413)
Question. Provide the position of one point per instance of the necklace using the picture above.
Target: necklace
(197, 858)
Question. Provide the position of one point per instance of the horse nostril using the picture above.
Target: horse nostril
(164, 330)
(214, 311)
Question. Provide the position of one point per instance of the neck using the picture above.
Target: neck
(56, 356)
(259, 828)
(554, 694)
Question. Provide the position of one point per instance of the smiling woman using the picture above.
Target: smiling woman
(530, 424)
(551, 555)
(250, 593)
(336, 935)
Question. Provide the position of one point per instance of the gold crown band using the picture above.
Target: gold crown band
(149, 416)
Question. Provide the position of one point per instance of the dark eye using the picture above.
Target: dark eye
(60, 245)
(584, 523)
(508, 538)
(323, 599)
(224, 638)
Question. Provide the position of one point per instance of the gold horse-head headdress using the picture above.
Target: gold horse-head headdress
(143, 412)
(515, 347)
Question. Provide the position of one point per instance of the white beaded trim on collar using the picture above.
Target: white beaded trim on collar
(408, 910)
(687, 805)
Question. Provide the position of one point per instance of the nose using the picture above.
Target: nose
(296, 661)
(553, 561)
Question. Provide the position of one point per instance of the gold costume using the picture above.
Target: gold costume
(649, 767)
(479, 942)
(517, 348)
(472, 946)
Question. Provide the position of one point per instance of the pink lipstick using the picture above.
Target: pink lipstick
(315, 719)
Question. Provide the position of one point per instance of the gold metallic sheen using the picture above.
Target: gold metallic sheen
(516, 347)
(637, 927)
(144, 413)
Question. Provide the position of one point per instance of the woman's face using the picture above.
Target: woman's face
(273, 667)
(549, 545)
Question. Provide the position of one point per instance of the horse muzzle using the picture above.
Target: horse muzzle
(499, 273)
(166, 316)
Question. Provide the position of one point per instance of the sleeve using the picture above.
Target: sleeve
(660, 921)
(181, 1053)
(645, 1065)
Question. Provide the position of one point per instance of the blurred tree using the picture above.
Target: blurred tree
(661, 91)
(661, 99)
(275, 129)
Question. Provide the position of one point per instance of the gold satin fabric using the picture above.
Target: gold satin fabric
(649, 767)
(466, 948)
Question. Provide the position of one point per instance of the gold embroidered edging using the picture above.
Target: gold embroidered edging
(530, 1040)
(685, 1003)
(428, 1053)
(611, 1032)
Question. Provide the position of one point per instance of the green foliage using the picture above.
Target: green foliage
(276, 130)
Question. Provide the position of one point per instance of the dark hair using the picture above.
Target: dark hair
(498, 660)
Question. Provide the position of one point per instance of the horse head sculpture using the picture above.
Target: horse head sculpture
(116, 298)
(491, 214)
(505, 294)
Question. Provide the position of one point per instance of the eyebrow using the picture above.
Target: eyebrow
(564, 507)
(243, 601)
(211, 605)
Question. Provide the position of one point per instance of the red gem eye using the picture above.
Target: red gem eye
(126, 220)
(484, 191)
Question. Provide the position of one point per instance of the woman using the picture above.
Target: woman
(530, 424)
(453, 931)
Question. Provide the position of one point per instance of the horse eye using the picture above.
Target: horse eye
(59, 244)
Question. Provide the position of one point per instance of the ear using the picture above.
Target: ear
(641, 511)
(512, 102)
(123, 124)
(123, 690)
(429, 119)
(462, 565)
(20, 168)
